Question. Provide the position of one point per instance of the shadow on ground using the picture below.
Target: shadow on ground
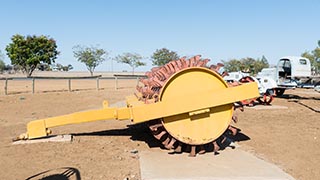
(141, 132)
(138, 132)
(64, 173)
(296, 99)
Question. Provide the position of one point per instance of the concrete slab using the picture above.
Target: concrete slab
(230, 164)
(262, 107)
(57, 138)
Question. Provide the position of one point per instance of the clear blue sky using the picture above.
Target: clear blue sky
(216, 29)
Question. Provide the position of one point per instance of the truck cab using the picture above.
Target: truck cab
(292, 69)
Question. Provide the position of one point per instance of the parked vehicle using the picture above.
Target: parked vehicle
(291, 72)
(267, 87)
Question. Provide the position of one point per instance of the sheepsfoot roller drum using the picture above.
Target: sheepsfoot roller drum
(265, 98)
(187, 106)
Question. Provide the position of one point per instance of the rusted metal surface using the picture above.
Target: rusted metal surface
(158, 76)
(265, 99)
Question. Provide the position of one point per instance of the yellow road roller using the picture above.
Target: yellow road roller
(186, 104)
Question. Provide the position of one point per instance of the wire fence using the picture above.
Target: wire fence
(17, 85)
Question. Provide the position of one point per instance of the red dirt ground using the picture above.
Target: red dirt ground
(107, 149)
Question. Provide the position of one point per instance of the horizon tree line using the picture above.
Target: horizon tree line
(31, 52)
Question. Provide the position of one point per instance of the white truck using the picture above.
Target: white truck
(291, 72)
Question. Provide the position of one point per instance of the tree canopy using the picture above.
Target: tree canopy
(132, 59)
(314, 57)
(28, 52)
(162, 56)
(90, 56)
(2, 64)
(249, 65)
(61, 67)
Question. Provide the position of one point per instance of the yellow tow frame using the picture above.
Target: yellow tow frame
(136, 110)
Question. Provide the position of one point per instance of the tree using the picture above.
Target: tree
(44, 67)
(61, 67)
(232, 65)
(132, 59)
(162, 56)
(28, 52)
(90, 56)
(2, 64)
(248, 65)
(67, 68)
(259, 64)
(314, 57)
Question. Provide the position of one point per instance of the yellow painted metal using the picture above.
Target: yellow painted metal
(133, 101)
(193, 102)
(196, 106)
(38, 128)
(202, 111)
(194, 84)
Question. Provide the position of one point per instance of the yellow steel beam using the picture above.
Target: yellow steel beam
(195, 102)
(38, 128)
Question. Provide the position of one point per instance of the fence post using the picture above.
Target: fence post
(33, 84)
(137, 81)
(69, 84)
(116, 82)
(6, 87)
(98, 84)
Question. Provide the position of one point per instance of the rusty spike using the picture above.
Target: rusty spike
(145, 82)
(233, 130)
(183, 62)
(175, 66)
(146, 90)
(170, 145)
(213, 67)
(188, 63)
(216, 147)
(232, 84)
(219, 65)
(164, 72)
(158, 82)
(202, 63)
(171, 67)
(234, 118)
(167, 68)
(192, 151)
(178, 148)
(197, 57)
(149, 74)
(161, 74)
(166, 142)
(192, 61)
(158, 136)
(179, 64)
(155, 127)
(225, 73)
(202, 150)
(155, 69)
(197, 60)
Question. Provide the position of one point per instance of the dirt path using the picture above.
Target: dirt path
(110, 149)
